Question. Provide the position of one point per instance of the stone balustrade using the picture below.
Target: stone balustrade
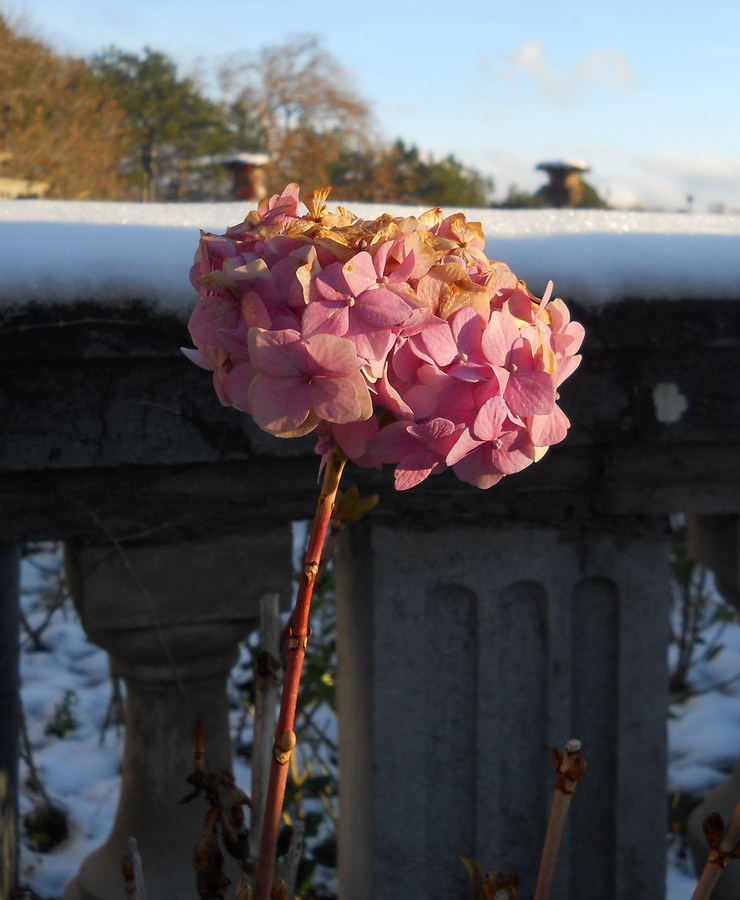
(477, 630)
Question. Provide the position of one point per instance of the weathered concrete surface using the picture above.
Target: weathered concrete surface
(171, 616)
(98, 415)
(108, 433)
(466, 654)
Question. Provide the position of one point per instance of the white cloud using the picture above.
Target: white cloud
(606, 67)
(708, 178)
(627, 179)
(603, 67)
(665, 180)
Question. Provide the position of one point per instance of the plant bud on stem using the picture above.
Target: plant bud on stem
(298, 638)
(720, 853)
(570, 767)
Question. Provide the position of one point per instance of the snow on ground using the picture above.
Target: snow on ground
(61, 250)
(80, 770)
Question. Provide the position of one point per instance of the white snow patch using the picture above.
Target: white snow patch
(670, 404)
(58, 251)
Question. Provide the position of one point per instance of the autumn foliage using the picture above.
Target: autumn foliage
(59, 128)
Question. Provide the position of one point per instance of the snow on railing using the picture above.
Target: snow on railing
(59, 250)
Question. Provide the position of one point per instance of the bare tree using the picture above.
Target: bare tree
(295, 102)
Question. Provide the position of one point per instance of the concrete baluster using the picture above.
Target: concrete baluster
(171, 617)
(466, 654)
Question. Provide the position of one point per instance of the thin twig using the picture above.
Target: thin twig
(719, 856)
(570, 767)
(265, 711)
(26, 754)
(295, 850)
(138, 867)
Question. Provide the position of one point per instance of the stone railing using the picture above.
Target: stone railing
(477, 630)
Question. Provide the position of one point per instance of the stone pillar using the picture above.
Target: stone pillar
(465, 655)
(171, 616)
(9, 717)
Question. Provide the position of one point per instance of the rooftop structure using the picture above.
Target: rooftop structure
(565, 188)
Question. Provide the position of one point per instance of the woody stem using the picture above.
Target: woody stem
(715, 864)
(570, 767)
(297, 640)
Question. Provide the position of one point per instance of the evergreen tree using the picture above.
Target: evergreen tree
(169, 123)
(516, 199)
(399, 174)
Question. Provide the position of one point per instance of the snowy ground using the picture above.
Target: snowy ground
(80, 770)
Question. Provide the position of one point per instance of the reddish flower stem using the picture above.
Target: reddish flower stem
(298, 637)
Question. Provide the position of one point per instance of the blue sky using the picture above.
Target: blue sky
(648, 96)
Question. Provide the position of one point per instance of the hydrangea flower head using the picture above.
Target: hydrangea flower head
(396, 339)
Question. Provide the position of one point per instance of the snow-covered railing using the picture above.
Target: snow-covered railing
(112, 439)
(93, 304)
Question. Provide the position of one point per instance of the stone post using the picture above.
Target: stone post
(465, 655)
(9, 717)
(171, 616)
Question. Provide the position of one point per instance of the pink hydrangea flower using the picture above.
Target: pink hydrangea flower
(396, 339)
(300, 382)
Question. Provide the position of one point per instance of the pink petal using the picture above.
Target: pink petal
(372, 344)
(280, 354)
(392, 443)
(565, 368)
(325, 318)
(211, 313)
(353, 437)
(330, 285)
(359, 272)
(415, 468)
(405, 362)
(381, 307)
(530, 394)
(422, 400)
(195, 356)
(476, 469)
(389, 398)
(464, 446)
(547, 430)
(338, 399)
(439, 343)
(499, 337)
(430, 432)
(403, 271)
(490, 420)
(520, 304)
(240, 380)
(279, 404)
(381, 256)
(568, 341)
(328, 354)
(515, 453)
